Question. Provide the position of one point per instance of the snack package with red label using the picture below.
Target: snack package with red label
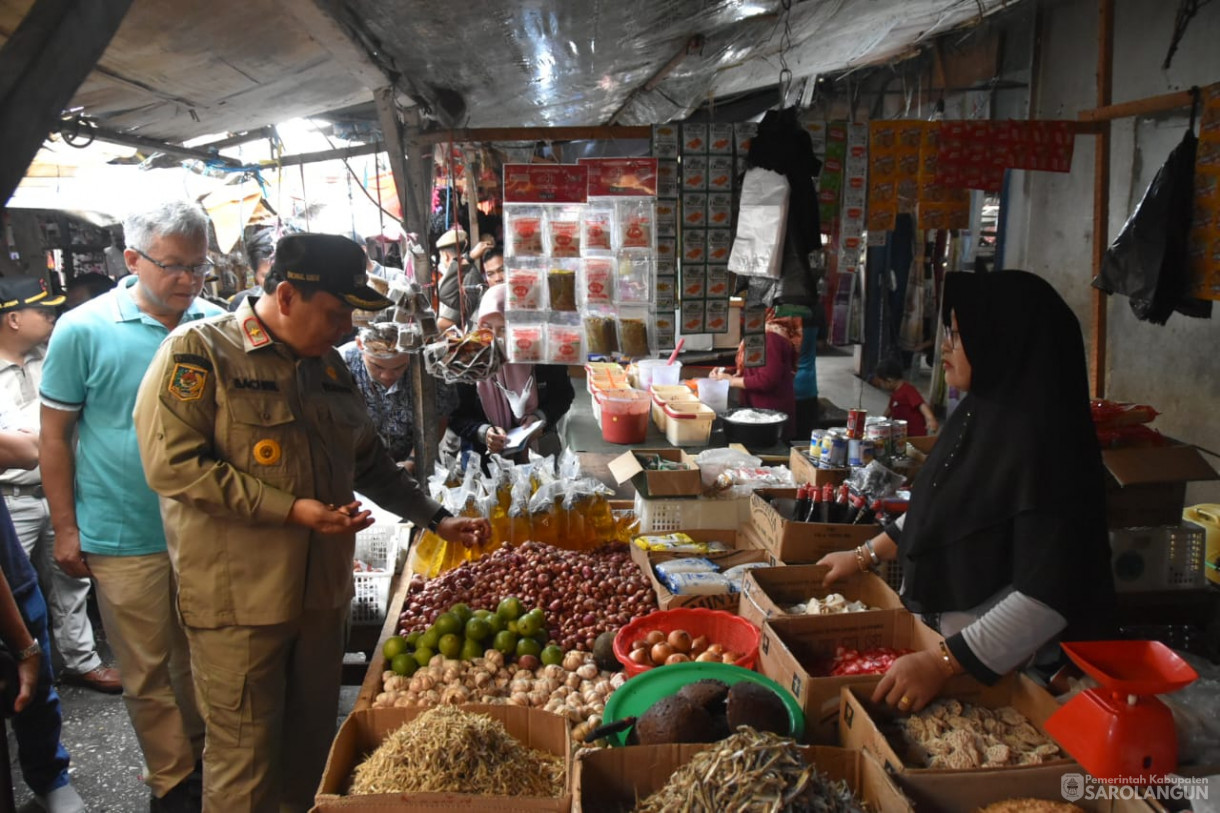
(526, 286)
(595, 282)
(565, 340)
(637, 223)
(564, 228)
(598, 228)
(524, 339)
(523, 231)
(1110, 414)
(876, 661)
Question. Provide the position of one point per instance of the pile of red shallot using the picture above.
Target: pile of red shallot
(583, 593)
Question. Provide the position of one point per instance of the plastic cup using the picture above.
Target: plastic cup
(666, 374)
(714, 392)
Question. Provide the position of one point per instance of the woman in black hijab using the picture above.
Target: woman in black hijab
(1004, 547)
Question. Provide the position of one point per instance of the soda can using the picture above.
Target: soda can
(838, 452)
(898, 438)
(868, 452)
(855, 423)
(854, 450)
(879, 434)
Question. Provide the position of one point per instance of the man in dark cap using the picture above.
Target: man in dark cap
(254, 434)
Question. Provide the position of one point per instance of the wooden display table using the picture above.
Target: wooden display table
(370, 686)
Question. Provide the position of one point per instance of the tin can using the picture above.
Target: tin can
(855, 423)
(879, 434)
(868, 452)
(838, 452)
(854, 453)
(898, 438)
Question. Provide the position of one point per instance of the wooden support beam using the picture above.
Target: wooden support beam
(414, 218)
(48, 57)
(1139, 107)
(489, 134)
(153, 145)
(325, 155)
(237, 139)
(1101, 195)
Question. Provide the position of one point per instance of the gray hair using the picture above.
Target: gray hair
(177, 218)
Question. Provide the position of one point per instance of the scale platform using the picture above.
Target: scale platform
(1120, 730)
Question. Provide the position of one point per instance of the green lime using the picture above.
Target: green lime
(450, 645)
(552, 655)
(462, 611)
(528, 646)
(447, 624)
(512, 627)
(511, 608)
(404, 664)
(477, 629)
(528, 625)
(423, 655)
(482, 614)
(413, 639)
(505, 642)
(429, 639)
(495, 622)
(539, 614)
(472, 649)
(394, 646)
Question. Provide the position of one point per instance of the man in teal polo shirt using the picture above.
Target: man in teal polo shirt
(107, 521)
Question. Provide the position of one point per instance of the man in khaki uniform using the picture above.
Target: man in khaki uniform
(252, 431)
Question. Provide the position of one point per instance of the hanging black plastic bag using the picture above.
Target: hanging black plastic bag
(1148, 262)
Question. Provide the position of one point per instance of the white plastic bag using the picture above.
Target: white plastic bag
(759, 242)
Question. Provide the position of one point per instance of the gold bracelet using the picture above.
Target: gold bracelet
(862, 559)
(946, 659)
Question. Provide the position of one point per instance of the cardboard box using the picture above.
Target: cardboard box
(793, 649)
(801, 542)
(805, 470)
(363, 731)
(859, 729)
(768, 591)
(684, 483)
(968, 791)
(1147, 487)
(647, 560)
(613, 779)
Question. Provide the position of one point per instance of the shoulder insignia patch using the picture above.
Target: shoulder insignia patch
(254, 332)
(194, 359)
(186, 382)
(332, 373)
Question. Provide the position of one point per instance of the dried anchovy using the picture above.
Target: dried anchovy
(751, 771)
(447, 750)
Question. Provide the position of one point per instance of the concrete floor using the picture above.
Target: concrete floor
(106, 760)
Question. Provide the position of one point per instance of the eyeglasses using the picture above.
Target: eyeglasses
(200, 270)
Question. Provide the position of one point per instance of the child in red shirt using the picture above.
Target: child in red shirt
(906, 404)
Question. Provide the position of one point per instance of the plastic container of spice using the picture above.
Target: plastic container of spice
(624, 415)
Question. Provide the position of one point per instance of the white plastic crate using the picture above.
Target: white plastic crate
(376, 547)
(690, 513)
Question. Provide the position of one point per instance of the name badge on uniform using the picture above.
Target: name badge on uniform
(187, 381)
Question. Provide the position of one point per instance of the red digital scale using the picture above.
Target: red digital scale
(1120, 729)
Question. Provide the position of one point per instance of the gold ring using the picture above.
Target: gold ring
(905, 702)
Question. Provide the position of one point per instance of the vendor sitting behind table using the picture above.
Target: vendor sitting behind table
(1004, 548)
(516, 395)
(772, 385)
(379, 369)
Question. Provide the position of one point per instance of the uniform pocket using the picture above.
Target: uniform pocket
(225, 712)
(261, 432)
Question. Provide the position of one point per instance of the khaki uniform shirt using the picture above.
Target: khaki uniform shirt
(233, 427)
